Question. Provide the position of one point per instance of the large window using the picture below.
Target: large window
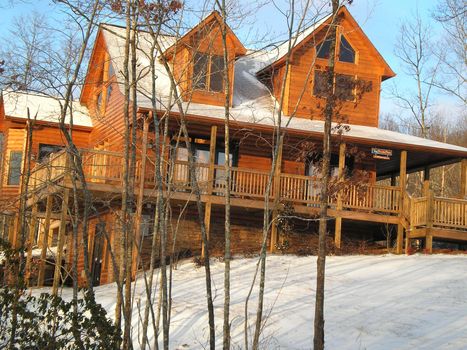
(208, 72)
(14, 167)
(346, 52)
(344, 85)
(46, 150)
(319, 83)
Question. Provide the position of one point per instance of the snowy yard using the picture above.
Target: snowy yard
(372, 302)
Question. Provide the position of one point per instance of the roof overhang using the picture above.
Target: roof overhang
(419, 156)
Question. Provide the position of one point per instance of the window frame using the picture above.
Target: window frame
(8, 179)
(209, 73)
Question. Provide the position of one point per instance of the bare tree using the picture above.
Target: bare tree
(452, 52)
(414, 49)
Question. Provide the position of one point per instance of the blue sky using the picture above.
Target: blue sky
(379, 19)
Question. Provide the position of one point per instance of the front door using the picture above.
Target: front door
(97, 256)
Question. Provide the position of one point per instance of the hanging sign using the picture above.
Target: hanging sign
(381, 153)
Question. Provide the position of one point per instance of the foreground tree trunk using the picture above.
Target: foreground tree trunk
(318, 340)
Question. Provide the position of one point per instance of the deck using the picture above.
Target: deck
(424, 217)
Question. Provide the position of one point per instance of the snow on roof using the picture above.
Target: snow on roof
(252, 101)
(46, 108)
(281, 51)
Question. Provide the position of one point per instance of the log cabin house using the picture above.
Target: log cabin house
(257, 78)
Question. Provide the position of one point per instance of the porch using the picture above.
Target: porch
(424, 217)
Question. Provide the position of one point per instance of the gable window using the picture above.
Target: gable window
(14, 167)
(99, 101)
(323, 49)
(208, 72)
(111, 71)
(346, 52)
(109, 92)
(46, 150)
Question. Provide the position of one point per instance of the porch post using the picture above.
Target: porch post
(61, 241)
(277, 194)
(45, 241)
(208, 207)
(463, 178)
(426, 181)
(402, 185)
(139, 203)
(429, 222)
(338, 224)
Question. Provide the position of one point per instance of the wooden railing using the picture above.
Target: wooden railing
(449, 212)
(106, 167)
(49, 170)
(300, 189)
(418, 211)
(372, 197)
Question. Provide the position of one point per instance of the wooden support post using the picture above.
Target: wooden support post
(463, 193)
(139, 202)
(338, 224)
(402, 184)
(210, 185)
(30, 242)
(61, 241)
(429, 222)
(45, 241)
(277, 198)
(411, 229)
(426, 181)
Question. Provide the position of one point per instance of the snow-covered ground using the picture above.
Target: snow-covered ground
(372, 302)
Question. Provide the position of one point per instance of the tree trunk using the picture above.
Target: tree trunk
(318, 340)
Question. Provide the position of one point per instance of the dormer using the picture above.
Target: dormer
(357, 60)
(197, 60)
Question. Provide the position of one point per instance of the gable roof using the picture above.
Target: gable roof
(213, 16)
(47, 109)
(301, 38)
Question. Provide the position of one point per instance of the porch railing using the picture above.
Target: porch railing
(106, 167)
